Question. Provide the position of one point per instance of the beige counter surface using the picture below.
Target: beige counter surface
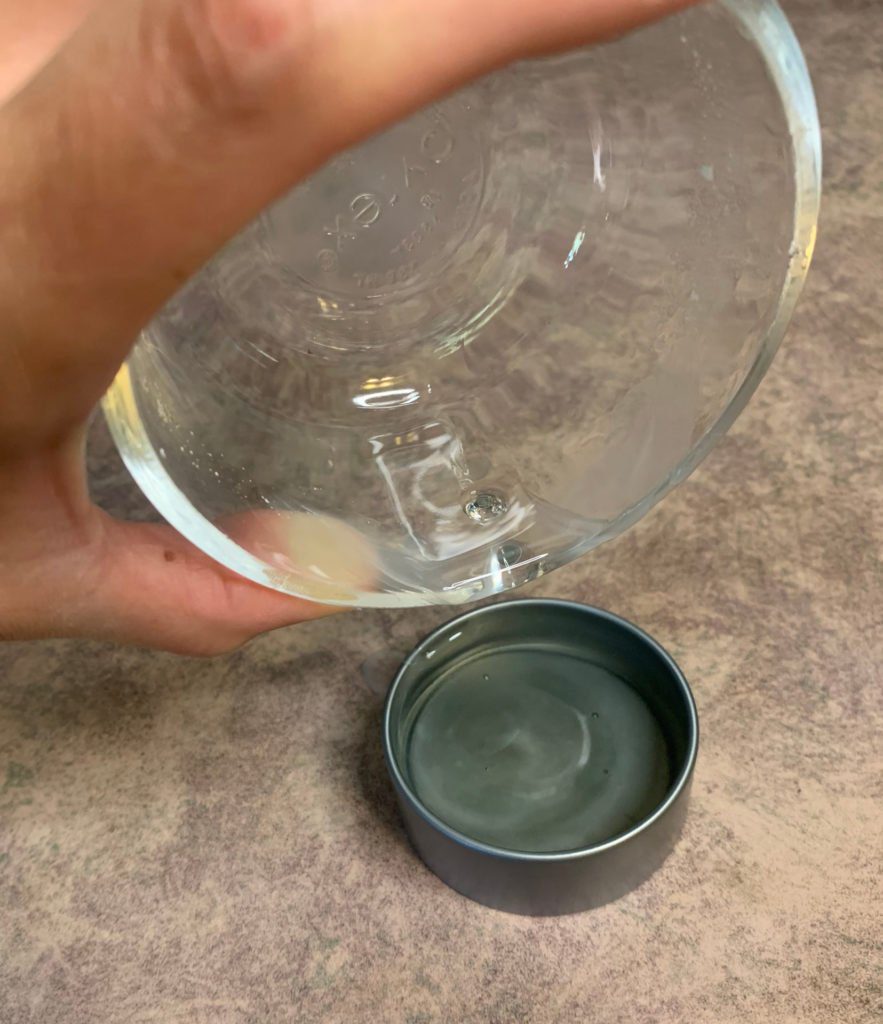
(187, 842)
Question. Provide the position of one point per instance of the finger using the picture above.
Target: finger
(71, 570)
(30, 33)
(317, 555)
(154, 589)
(165, 125)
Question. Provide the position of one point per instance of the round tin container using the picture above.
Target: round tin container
(542, 753)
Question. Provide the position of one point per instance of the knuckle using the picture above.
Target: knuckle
(217, 58)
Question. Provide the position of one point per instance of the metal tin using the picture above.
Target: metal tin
(542, 754)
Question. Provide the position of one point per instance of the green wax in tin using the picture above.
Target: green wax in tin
(536, 749)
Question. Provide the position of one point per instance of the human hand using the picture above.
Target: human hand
(137, 136)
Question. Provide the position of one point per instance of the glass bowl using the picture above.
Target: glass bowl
(491, 338)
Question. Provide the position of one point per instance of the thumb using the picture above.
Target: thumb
(163, 126)
(157, 590)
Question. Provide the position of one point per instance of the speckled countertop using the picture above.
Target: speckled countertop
(215, 842)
